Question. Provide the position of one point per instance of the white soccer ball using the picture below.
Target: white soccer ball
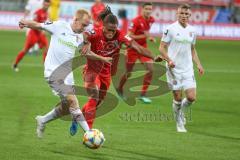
(93, 138)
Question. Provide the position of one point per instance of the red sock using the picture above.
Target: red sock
(44, 56)
(89, 111)
(19, 57)
(146, 82)
(122, 82)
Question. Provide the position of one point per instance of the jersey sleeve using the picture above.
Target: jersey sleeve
(194, 37)
(91, 36)
(51, 27)
(166, 37)
(125, 39)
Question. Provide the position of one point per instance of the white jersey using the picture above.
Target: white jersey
(63, 45)
(180, 40)
(32, 6)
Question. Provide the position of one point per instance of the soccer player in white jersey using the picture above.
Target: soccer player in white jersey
(178, 49)
(65, 39)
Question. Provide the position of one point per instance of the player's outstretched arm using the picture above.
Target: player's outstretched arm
(86, 51)
(29, 24)
(93, 56)
(136, 37)
(141, 50)
(163, 49)
(196, 60)
(141, 36)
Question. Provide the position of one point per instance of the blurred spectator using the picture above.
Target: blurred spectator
(122, 14)
(96, 9)
(54, 10)
(224, 15)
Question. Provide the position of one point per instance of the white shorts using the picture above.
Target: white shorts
(180, 81)
(61, 87)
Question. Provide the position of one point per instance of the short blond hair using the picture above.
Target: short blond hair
(81, 12)
(184, 6)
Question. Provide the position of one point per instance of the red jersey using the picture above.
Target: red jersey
(139, 25)
(96, 10)
(106, 48)
(40, 16)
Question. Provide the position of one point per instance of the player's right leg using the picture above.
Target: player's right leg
(92, 84)
(30, 41)
(147, 79)
(176, 87)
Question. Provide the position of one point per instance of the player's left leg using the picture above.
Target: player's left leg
(76, 113)
(43, 44)
(147, 78)
(190, 97)
(131, 59)
(92, 84)
(30, 41)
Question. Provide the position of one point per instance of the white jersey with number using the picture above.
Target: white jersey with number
(32, 6)
(180, 40)
(63, 45)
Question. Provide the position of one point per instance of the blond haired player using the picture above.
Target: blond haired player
(65, 39)
(178, 49)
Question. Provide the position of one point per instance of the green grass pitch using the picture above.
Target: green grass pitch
(213, 132)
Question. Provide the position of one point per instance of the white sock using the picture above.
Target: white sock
(79, 118)
(49, 116)
(176, 104)
(185, 103)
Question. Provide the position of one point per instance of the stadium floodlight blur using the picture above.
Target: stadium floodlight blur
(214, 19)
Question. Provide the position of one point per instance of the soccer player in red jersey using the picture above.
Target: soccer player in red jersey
(139, 31)
(106, 42)
(35, 36)
(96, 9)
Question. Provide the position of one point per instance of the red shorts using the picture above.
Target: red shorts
(92, 78)
(34, 37)
(133, 56)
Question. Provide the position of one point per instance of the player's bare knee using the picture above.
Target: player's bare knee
(178, 97)
(128, 74)
(72, 101)
(150, 70)
(191, 98)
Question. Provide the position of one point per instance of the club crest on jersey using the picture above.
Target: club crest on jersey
(91, 32)
(48, 23)
(166, 32)
(191, 34)
(131, 25)
(109, 47)
(174, 82)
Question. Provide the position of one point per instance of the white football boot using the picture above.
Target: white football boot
(40, 126)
